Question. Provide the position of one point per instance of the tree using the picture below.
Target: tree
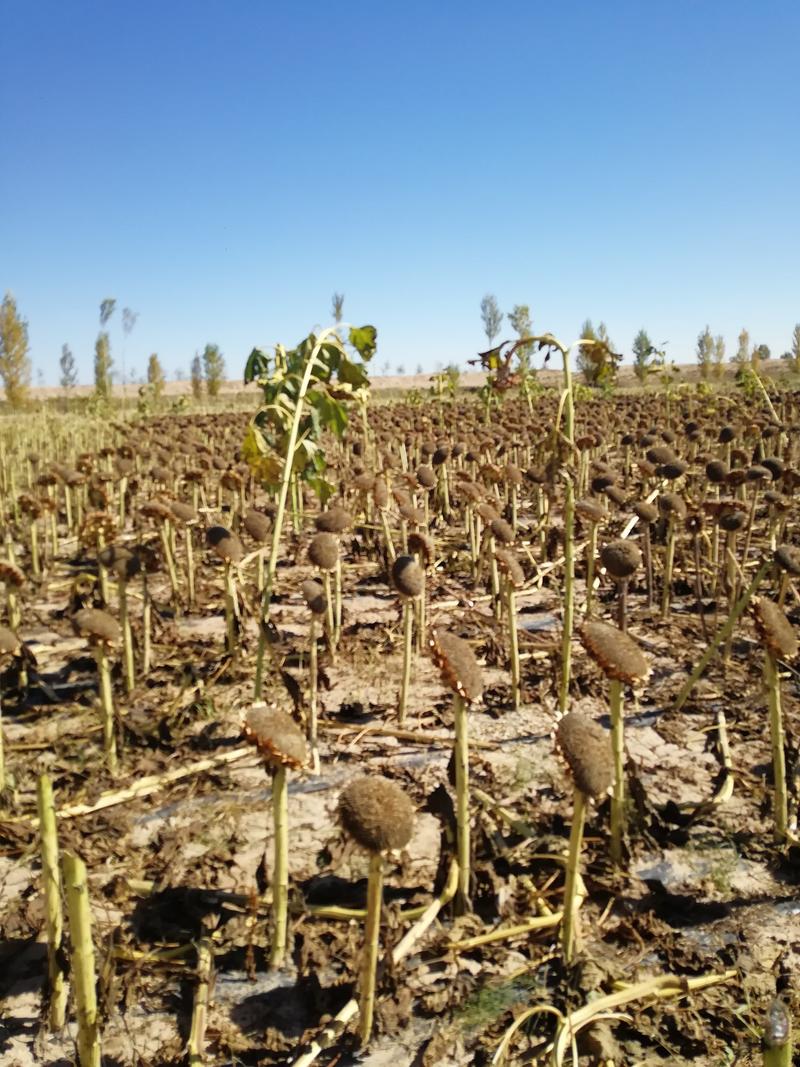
(69, 372)
(15, 365)
(743, 349)
(794, 353)
(520, 319)
(760, 354)
(128, 322)
(705, 351)
(107, 309)
(597, 361)
(102, 365)
(155, 376)
(643, 350)
(197, 377)
(214, 367)
(719, 355)
(492, 316)
(337, 303)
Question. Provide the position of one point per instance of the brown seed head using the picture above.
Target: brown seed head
(376, 813)
(502, 531)
(335, 520)
(276, 736)
(314, 596)
(323, 551)
(421, 544)
(586, 747)
(774, 629)
(616, 652)
(408, 577)
(645, 511)
(9, 642)
(510, 566)
(621, 558)
(11, 574)
(98, 626)
(225, 543)
(788, 558)
(456, 661)
(257, 525)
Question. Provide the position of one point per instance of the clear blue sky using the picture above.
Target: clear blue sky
(222, 168)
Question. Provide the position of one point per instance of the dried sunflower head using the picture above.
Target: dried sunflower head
(586, 747)
(456, 661)
(276, 736)
(616, 652)
(774, 629)
(376, 813)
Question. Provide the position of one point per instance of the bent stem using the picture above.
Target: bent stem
(461, 757)
(780, 802)
(280, 876)
(571, 883)
(82, 959)
(370, 962)
(618, 747)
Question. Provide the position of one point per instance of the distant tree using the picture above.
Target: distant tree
(419, 369)
(102, 365)
(759, 355)
(705, 351)
(400, 369)
(597, 362)
(128, 322)
(337, 303)
(196, 375)
(492, 316)
(155, 376)
(15, 365)
(643, 350)
(214, 368)
(718, 355)
(69, 372)
(794, 353)
(743, 349)
(107, 307)
(520, 319)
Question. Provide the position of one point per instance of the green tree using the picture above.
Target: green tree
(794, 352)
(196, 375)
(214, 368)
(597, 361)
(102, 365)
(718, 355)
(155, 376)
(743, 350)
(337, 304)
(492, 317)
(643, 350)
(705, 351)
(69, 372)
(15, 364)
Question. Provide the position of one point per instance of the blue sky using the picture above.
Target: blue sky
(223, 168)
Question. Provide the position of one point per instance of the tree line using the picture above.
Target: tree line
(599, 361)
(206, 376)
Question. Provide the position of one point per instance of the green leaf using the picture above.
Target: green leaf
(365, 340)
(332, 415)
(352, 374)
(257, 366)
